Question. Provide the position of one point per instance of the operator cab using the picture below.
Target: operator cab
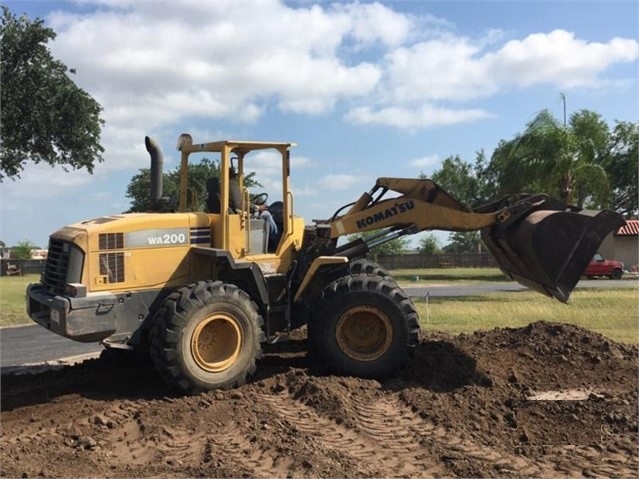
(243, 223)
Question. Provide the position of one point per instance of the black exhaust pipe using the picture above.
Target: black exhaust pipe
(156, 173)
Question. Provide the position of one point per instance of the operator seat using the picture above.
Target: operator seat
(213, 198)
(235, 195)
(277, 211)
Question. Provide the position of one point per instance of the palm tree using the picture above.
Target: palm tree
(560, 160)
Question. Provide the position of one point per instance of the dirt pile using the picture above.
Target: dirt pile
(545, 400)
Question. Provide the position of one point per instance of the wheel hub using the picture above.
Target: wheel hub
(364, 333)
(216, 343)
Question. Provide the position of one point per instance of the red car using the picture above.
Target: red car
(599, 266)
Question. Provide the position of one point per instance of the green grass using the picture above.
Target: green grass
(611, 312)
(448, 275)
(13, 305)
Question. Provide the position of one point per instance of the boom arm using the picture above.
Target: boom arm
(422, 205)
(536, 240)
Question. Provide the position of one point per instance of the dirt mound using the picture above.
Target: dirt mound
(545, 400)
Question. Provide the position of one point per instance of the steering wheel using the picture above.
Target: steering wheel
(259, 199)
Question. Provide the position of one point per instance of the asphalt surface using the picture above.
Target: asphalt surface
(34, 345)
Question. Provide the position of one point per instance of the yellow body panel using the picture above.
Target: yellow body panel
(152, 250)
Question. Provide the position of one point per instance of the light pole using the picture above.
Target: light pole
(563, 97)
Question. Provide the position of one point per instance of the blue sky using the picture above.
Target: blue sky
(365, 89)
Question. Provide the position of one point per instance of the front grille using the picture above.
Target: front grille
(112, 266)
(55, 271)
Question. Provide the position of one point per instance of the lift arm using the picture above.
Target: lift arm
(536, 240)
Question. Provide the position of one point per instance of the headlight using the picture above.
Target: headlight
(76, 262)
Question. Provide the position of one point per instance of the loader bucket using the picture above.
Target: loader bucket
(547, 250)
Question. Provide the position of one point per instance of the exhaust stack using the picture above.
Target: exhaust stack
(156, 173)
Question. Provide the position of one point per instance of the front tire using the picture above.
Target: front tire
(365, 326)
(616, 274)
(366, 266)
(302, 309)
(206, 336)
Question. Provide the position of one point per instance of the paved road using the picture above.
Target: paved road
(448, 290)
(32, 344)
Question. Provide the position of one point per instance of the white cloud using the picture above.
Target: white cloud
(32, 179)
(453, 68)
(162, 63)
(376, 22)
(558, 57)
(413, 118)
(339, 182)
(424, 161)
(232, 58)
(438, 69)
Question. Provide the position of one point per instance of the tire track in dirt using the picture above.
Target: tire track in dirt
(131, 441)
(594, 460)
(398, 431)
(73, 429)
(422, 448)
(231, 445)
(392, 441)
(396, 427)
(127, 445)
(326, 434)
(181, 446)
(122, 435)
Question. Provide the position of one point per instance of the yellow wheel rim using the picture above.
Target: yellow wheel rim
(216, 343)
(364, 333)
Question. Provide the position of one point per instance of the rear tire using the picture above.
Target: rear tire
(364, 326)
(206, 336)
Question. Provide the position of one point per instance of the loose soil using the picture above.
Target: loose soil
(547, 400)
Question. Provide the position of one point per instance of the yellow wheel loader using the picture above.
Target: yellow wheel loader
(200, 292)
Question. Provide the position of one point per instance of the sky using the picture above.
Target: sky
(365, 89)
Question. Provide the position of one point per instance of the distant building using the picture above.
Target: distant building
(623, 245)
(39, 253)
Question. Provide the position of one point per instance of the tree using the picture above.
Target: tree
(429, 244)
(139, 188)
(23, 250)
(456, 177)
(464, 242)
(469, 184)
(563, 161)
(621, 165)
(45, 116)
(466, 182)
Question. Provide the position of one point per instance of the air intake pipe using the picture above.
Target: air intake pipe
(156, 173)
